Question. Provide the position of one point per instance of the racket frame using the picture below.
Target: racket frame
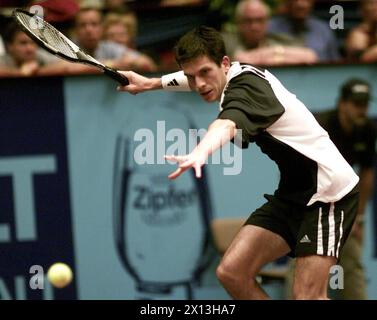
(89, 60)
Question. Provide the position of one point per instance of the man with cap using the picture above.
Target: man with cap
(355, 136)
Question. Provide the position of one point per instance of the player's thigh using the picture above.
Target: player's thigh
(326, 226)
(252, 248)
(312, 273)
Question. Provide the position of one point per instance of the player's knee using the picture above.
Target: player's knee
(227, 273)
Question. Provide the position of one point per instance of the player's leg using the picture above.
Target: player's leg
(250, 250)
(288, 279)
(320, 239)
(262, 239)
(311, 277)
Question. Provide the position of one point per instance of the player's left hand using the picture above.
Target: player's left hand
(193, 160)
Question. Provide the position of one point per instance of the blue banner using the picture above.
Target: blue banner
(35, 219)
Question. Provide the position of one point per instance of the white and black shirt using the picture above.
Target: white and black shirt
(311, 167)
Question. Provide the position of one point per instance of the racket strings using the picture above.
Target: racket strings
(47, 34)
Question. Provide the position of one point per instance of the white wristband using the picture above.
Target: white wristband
(176, 81)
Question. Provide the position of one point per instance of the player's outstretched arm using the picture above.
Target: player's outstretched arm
(176, 81)
(219, 133)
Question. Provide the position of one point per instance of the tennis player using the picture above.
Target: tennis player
(312, 211)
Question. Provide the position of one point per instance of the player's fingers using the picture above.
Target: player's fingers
(132, 89)
(198, 170)
(175, 158)
(186, 164)
(127, 74)
(176, 173)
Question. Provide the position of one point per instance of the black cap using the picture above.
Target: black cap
(356, 90)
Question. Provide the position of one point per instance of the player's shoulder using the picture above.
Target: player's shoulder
(241, 73)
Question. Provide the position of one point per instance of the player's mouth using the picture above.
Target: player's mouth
(206, 94)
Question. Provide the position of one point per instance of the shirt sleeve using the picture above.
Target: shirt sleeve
(250, 102)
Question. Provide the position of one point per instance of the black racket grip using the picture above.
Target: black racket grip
(112, 73)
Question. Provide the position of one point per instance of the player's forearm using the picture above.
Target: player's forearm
(153, 84)
(220, 132)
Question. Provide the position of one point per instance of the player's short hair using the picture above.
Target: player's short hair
(201, 41)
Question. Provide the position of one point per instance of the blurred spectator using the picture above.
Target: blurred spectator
(89, 32)
(98, 4)
(252, 44)
(354, 134)
(167, 3)
(121, 28)
(2, 48)
(115, 6)
(13, 3)
(361, 43)
(23, 58)
(57, 11)
(310, 31)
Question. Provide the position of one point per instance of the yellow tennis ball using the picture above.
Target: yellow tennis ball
(59, 275)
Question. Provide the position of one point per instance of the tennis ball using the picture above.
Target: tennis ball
(60, 275)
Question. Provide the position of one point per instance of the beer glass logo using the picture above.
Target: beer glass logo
(161, 226)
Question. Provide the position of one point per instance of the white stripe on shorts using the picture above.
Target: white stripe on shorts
(331, 242)
(340, 232)
(320, 233)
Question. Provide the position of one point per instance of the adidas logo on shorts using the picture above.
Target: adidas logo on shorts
(305, 239)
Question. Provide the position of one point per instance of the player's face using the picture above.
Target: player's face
(89, 29)
(22, 48)
(206, 77)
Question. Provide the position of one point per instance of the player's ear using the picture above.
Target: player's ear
(225, 63)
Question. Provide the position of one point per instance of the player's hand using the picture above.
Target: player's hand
(138, 83)
(193, 160)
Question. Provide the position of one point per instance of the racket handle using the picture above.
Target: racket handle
(112, 73)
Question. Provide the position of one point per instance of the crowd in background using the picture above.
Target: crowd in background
(263, 33)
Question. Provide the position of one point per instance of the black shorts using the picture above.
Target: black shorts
(319, 229)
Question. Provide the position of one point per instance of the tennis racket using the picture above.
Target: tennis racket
(52, 40)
